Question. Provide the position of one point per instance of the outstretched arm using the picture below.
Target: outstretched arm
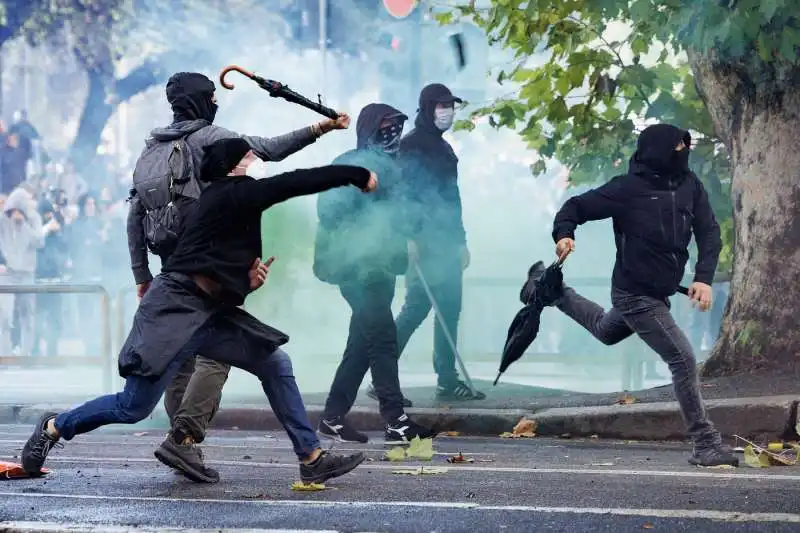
(600, 203)
(261, 194)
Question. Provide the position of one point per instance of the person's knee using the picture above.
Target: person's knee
(132, 410)
(279, 364)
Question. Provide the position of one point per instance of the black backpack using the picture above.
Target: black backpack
(163, 169)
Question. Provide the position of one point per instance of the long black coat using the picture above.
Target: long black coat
(171, 312)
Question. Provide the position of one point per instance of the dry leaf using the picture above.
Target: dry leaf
(525, 427)
(397, 453)
(460, 459)
(420, 449)
(140, 434)
(626, 400)
(755, 459)
(775, 446)
(648, 525)
(449, 434)
(307, 487)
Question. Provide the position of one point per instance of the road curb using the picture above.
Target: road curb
(761, 418)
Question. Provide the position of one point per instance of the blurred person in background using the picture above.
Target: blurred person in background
(21, 235)
(51, 263)
(439, 247)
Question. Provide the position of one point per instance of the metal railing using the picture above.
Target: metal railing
(111, 342)
(106, 359)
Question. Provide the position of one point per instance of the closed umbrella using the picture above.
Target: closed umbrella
(541, 289)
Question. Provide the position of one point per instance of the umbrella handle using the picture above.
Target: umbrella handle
(233, 68)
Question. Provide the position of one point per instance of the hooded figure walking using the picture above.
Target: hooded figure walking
(439, 245)
(655, 209)
(193, 397)
(361, 247)
(193, 307)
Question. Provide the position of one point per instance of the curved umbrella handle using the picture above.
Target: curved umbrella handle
(233, 68)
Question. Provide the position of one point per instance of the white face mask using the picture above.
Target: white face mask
(443, 118)
(256, 169)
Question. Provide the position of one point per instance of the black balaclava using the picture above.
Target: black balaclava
(189, 94)
(432, 94)
(221, 157)
(369, 132)
(655, 149)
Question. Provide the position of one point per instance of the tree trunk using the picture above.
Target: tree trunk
(757, 115)
(102, 100)
(96, 112)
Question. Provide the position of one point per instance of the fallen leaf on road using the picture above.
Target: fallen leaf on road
(460, 459)
(755, 459)
(508, 435)
(420, 449)
(307, 487)
(719, 467)
(525, 426)
(398, 453)
(775, 446)
(140, 434)
(449, 434)
(648, 525)
(421, 471)
(626, 400)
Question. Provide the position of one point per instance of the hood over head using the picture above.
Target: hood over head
(18, 199)
(189, 94)
(369, 123)
(221, 157)
(432, 94)
(655, 150)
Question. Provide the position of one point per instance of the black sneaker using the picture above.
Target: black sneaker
(186, 459)
(328, 466)
(38, 446)
(339, 430)
(458, 392)
(403, 430)
(374, 395)
(716, 455)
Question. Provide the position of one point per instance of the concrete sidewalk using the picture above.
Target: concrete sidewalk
(758, 418)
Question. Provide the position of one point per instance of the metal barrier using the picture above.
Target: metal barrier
(106, 359)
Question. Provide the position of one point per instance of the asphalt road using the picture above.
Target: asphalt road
(111, 477)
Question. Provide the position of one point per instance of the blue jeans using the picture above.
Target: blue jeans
(218, 340)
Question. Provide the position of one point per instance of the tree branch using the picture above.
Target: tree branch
(151, 72)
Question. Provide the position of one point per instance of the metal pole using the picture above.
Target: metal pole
(445, 329)
(323, 37)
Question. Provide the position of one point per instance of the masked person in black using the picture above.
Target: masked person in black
(193, 306)
(655, 209)
(193, 397)
(439, 245)
(361, 247)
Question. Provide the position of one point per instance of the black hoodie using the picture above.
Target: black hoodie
(190, 96)
(360, 234)
(431, 167)
(655, 207)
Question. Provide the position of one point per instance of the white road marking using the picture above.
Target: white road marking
(696, 514)
(42, 527)
(699, 473)
(248, 445)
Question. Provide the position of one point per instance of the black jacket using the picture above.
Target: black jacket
(655, 208)
(359, 234)
(431, 167)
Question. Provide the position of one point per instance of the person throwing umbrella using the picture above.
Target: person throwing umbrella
(655, 208)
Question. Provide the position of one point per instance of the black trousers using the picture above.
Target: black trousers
(371, 345)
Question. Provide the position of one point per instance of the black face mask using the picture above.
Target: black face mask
(388, 137)
(681, 159)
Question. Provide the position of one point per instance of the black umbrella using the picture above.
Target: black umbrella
(541, 289)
